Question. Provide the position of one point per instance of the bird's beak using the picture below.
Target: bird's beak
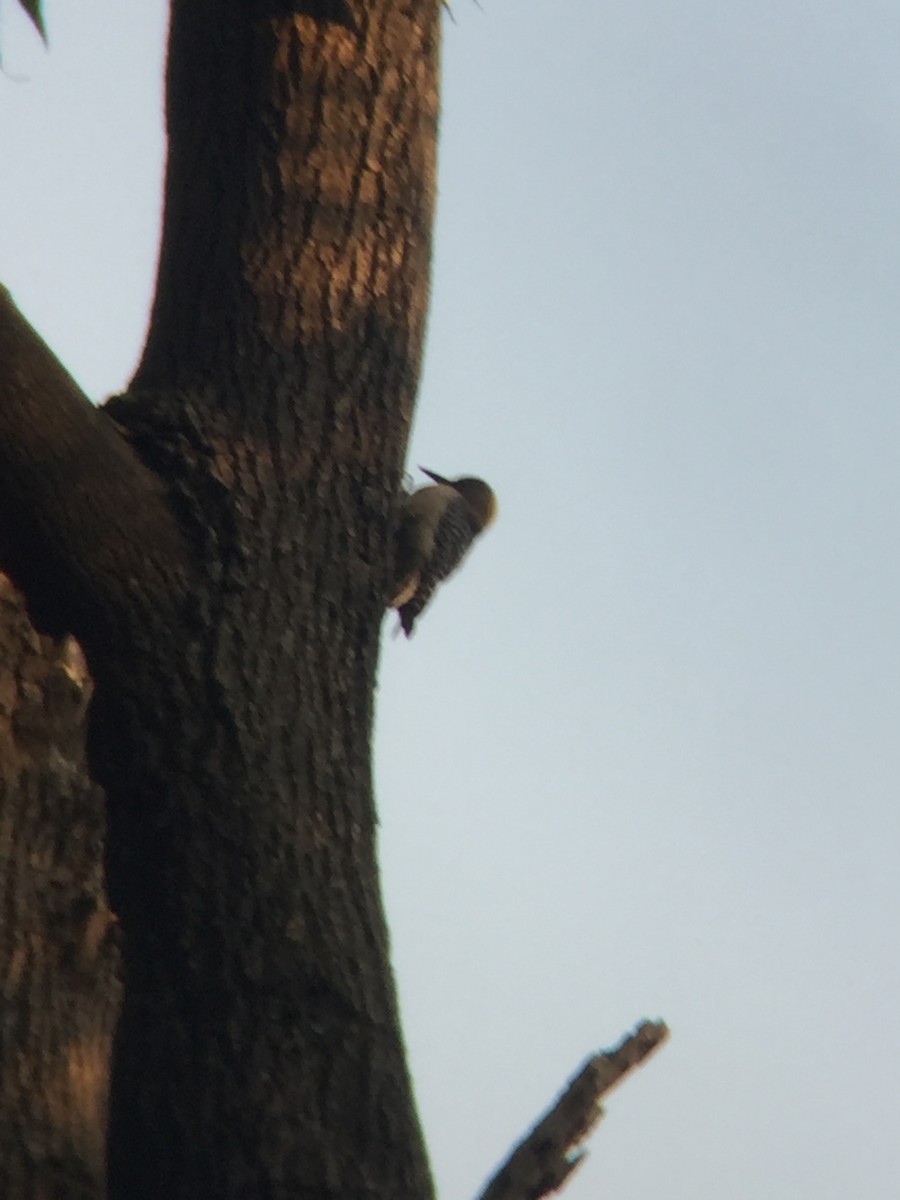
(433, 475)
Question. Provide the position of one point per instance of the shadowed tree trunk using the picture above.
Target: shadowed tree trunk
(218, 540)
(58, 952)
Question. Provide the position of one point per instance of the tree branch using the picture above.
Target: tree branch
(544, 1161)
(59, 948)
(85, 528)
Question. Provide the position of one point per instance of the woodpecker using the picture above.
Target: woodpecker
(438, 524)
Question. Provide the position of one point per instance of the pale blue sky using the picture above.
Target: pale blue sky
(641, 759)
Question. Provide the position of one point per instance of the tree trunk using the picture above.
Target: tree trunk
(58, 950)
(231, 617)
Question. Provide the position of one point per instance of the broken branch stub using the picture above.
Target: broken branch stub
(545, 1159)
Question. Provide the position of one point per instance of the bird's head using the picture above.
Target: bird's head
(476, 493)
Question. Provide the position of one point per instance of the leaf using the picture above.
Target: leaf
(33, 9)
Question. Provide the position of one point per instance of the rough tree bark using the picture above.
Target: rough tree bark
(218, 541)
(58, 948)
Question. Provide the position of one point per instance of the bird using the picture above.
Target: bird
(438, 524)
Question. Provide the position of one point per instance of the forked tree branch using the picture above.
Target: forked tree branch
(84, 525)
(545, 1160)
